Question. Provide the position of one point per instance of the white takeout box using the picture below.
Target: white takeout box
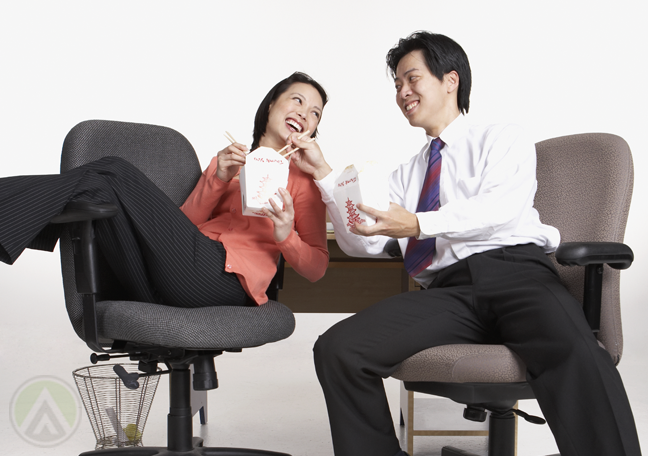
(264, 172)
(367, 185)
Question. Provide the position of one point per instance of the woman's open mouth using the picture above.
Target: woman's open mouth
(294, 126)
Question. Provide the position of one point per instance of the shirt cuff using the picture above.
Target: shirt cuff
(326, 186)
(430, 224)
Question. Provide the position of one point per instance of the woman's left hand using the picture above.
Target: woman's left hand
(309, 157)
(283, 219)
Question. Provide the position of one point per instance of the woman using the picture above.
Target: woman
(206, 253)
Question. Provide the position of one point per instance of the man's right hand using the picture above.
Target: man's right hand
(396, 222)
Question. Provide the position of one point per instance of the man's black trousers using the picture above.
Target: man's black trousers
(509, 296)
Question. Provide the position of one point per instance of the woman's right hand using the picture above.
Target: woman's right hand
(309, 158)
(230, 161)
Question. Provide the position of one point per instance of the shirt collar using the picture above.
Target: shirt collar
(452, 133)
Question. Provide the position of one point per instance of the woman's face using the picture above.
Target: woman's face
(296, 110)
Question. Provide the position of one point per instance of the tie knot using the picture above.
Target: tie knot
(436, 145)
(435, 153)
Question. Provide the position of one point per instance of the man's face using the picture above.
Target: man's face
(422, 98)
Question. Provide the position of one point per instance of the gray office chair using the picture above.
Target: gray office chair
(584, 189)
(152, 334)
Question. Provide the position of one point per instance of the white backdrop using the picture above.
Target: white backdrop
(202, 67)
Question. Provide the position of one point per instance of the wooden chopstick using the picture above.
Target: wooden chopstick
(288, 145)
(296, 149)
(231, 139)
(229, 136)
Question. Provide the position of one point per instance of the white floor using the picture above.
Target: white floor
(268, 397)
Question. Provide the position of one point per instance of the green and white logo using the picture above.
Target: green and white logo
(44, 411)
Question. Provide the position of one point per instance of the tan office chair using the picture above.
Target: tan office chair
(584, 189)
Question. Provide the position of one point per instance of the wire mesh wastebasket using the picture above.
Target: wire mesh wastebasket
(117, 414)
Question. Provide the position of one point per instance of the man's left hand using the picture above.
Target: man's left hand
(396, 222)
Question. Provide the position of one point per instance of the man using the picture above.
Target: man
(462, 210)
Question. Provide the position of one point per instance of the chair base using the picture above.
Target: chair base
(452, 451)
(197, 451)
(179, 428)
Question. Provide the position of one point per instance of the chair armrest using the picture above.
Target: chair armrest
(392, 248)
(614, 254)
(81, 215)
(81, 211)
(593, 255)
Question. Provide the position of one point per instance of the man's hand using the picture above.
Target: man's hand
(396, 222)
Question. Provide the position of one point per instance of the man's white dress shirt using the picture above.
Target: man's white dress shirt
(487, 186)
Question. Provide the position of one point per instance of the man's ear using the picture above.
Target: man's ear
(451, 80)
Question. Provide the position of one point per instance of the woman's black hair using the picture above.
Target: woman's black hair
(261, 117)
(442, 55)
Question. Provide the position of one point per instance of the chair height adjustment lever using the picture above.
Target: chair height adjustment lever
(129, 380)
(530, 418)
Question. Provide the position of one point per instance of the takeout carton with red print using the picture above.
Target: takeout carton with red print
(366, 184)
(264, 172)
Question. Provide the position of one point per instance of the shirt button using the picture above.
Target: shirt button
(230, 229)
(229, 266)
(234, 211)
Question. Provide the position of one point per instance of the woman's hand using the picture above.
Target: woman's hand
(283, 219)
(230, 161)
(309, 158)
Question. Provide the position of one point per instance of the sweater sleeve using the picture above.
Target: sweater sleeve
(305, 248)
(205, 196)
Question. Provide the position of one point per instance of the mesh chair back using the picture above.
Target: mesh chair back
(162, 154)
(584, 189)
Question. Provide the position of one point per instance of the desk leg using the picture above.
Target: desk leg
(407, 416)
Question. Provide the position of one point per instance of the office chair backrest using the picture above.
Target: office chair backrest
(584, 189)
(163, 154)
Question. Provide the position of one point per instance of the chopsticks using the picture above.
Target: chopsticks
(288, 145)
(296, 149)
(229, 136)
(231, 139)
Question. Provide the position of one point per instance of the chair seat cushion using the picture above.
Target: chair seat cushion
(463, 364)
(207, 328)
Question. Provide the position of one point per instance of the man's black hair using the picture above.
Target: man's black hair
(442, 55)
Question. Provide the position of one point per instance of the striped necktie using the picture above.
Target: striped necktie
(418, 255)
